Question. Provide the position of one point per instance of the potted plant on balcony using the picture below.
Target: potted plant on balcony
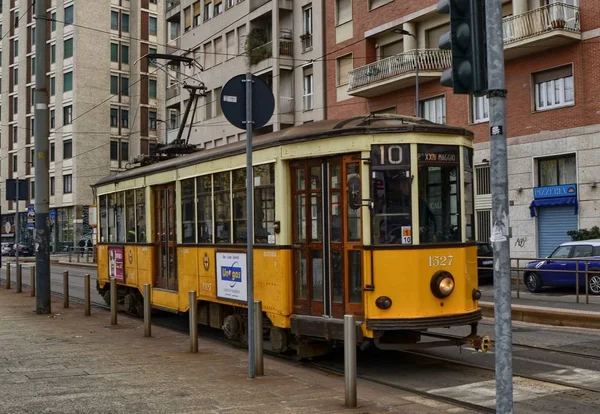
(558, 18)
(257, 37)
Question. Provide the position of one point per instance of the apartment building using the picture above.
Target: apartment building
(103, 109)
(284, 42)
(552, 77)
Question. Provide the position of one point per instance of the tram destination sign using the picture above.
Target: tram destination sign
(438, 154)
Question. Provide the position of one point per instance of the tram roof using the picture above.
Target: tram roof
(357, 125)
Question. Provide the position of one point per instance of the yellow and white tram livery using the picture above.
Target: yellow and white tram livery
(371, 216)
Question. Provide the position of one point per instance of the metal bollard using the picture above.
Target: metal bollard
(65, 289)
(70, 252)
(258, 339)
(86, 293)
(113, 301)
(147, 311)
(20, 278)
(32, 284)
(193, 322)
(350, 360)
(78, 254)
(8, 275)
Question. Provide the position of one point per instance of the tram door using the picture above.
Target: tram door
(327, 238)
(165, 230)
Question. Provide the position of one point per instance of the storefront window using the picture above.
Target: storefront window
(264, 203)
(439, 198)
(140, 214)
(557, 171)
(391, 194)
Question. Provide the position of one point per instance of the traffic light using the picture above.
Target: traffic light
(467, 41)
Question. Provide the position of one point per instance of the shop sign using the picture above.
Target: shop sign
(567, 190)
(231, 276)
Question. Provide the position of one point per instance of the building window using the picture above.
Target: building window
(174, 32)
(32, 157)
(114, 84)
(53, 54)
(480, 106)
(241, 33)
(152, 51)
(52, 86)
(152, 88)
(218, 7)
(434, 109)
(15, 131)
(557, 170)
(15, 163)
(344, 65)
(32, 66)
(68, 15)
(114, 52)
(124, 86)
(124, 118)
(153, 26)
(68, 48)
(52, 186)
(125, 54)
(307, 22)
(230, 44)
(343, 9)
(114, 20)
(217, 95)
(114, 151)
(68, 81)
(554, 88)
(152, 120)
(32, 35)
(196, 13)
(67, 184)
(52, 120)
(52, 152)
(124, 151)
(16, 48)
(125, 22)
(208, 10)
(114, 117)
(187, 19)
(15, 105)
(68, 115)
(53, 23)
(15, 77)
(67, 149)
(308, 91)
(32, 194)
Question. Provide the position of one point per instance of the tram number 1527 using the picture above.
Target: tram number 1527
(437, 261)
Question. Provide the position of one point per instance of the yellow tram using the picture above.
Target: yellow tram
(371, 216)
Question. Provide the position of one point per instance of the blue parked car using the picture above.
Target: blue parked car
(556, 271)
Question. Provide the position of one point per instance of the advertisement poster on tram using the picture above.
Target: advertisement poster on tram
(115, 263)
(232, 276)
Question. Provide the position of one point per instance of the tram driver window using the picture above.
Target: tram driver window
(264, 204)
(439, 197)
(391, 194)
(103, 221)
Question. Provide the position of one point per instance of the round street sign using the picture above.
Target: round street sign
(233, 102)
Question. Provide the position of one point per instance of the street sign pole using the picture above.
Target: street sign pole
(17, 225)
(250, 228)
(500, 214)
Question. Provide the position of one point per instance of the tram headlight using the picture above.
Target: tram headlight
(442, 284)
(383, 302)
(476, 294)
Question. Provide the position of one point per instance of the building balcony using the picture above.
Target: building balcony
(397, 72)
(172, 10)
(173, 92)
(550, 26)
(261, 56)
(283, 4)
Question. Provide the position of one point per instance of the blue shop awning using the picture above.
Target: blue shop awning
(558, 201)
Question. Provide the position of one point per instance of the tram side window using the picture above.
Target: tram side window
(391, 194)
(188, 219)
(264, 203)
(239, 206)
(439, 198)
(469, 194)
(140, 214)
(103, 221)
(120, 217)
(205, 222)
(130, 215)
(112, 219)
(222, 207)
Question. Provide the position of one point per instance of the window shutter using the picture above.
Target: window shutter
(187, 15)
(344, 66)
(197, 8)
(552, 74)
(344, 11)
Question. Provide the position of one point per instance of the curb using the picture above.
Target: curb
(548, 316)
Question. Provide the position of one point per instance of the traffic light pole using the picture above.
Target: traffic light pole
(41, 133)
(500, 213)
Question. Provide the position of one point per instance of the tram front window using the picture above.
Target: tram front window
(439, 197)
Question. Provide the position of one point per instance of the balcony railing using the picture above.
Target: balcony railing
(553, 16)
(171, 4)
(173, 92)
(400, 64)
(258, 54)
(255, 4)
(286, 105)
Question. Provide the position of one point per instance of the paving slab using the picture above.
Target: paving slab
(69, 363)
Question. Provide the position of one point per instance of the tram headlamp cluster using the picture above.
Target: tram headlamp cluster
(383, 302)
(442, 284)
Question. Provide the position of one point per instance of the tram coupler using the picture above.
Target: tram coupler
(479, 343)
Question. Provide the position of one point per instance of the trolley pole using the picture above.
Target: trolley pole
(42, 194)
(500, 214)
(250, 226)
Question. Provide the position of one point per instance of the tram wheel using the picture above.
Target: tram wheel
(533, 282)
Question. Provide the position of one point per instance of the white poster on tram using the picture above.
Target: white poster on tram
(232, 276)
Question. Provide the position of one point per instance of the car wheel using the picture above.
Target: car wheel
(594, 284)
(533, 282)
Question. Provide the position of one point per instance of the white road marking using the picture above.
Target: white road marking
(484, 393)
(575, 376)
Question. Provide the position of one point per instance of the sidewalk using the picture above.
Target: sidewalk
(66, 363)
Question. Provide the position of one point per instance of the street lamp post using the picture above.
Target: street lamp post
(407, 33)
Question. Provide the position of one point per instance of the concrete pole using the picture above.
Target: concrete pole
(113, 302)
(258, 337)
(65, 289)
(87, 294)
(17, 225)
(500, 213)
(19, 278)
(147, 311)
(42, 194)
(193, 322)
